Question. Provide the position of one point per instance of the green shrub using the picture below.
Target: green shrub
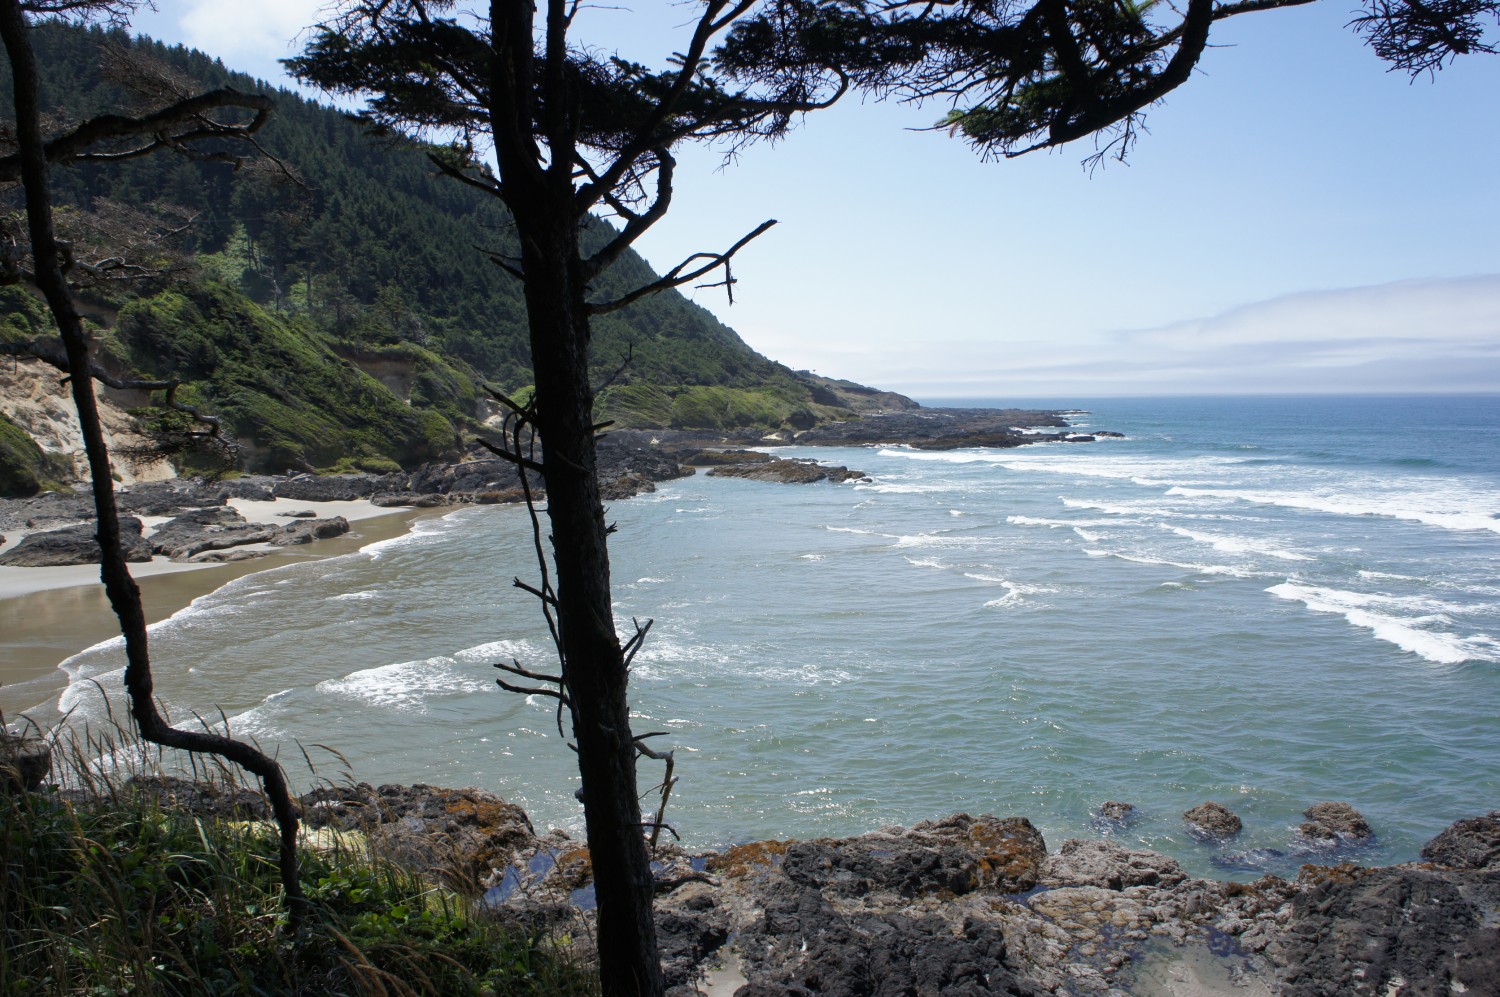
(106, 892)
(26, 468)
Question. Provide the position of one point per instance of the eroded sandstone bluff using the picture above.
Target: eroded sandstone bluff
(964, 905)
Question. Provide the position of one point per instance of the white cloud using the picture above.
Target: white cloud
(249, 36)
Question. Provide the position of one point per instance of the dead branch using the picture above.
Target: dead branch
(680, 274)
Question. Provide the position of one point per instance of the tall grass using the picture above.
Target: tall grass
(107, 891)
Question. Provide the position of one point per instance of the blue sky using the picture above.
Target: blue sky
(1297, 219)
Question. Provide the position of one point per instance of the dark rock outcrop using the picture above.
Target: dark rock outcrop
(1405, 929)
(75, 545)
(806, 946)
(1115, 810)
(791, 472)
(24, 762)
(1212, 820)
(305, 531)
(209, 529)
(334, 487)
(1087, 862)
(461, 836)
(1335, 822)
(1472, 843)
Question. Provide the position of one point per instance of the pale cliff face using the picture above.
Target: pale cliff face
(33, 396)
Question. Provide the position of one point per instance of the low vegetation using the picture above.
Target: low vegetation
(106, 892)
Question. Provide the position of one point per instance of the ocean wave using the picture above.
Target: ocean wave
(354, 596)
(1015, 593)
(1202, 569)
(408, 686)
(1117, 509)
(1403, 507)
(1409, 634)
(1239, 545)
(944, 456)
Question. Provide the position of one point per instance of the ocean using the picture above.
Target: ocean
(1267, 602)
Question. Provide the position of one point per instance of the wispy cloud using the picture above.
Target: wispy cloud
(1418, 335)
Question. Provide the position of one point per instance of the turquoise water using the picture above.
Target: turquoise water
(1266, 602)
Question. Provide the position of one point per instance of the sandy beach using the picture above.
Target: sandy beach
(49, 614)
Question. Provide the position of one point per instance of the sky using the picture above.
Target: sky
(1297, 219)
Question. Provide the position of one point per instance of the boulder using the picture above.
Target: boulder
(1213, 820)
(305, 531)
(75, 545)
(1473, 843)
(1104, 864)
(24, 762)
(1115, 810)
(949, 857)
(1333, 823)
(459, 835)
(193, 533)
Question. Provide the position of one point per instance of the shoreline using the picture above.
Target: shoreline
(50, 614)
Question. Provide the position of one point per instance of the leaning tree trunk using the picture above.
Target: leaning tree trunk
(124, 595)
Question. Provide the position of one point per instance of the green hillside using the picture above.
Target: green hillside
(341, 308)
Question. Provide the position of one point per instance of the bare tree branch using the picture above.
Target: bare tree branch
(680, 274)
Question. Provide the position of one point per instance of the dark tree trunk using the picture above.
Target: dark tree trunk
(541, 198)
(594, 661)
(124, 595)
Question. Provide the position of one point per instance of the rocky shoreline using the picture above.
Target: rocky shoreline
(197, 526)
(964, 905)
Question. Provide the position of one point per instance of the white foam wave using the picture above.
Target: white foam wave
(1239, 545)
(1015, 593)
(1409, 634)
(1202, 569)
(945, 456)
(1086, 535)
(354, 596)
(1116, 509)
(501, 650)
(408, 686)
(896, 488)
(925, 562)
(1056, 523)
(988, 579)
(1398, 506)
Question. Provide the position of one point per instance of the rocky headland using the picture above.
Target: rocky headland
(965, 905)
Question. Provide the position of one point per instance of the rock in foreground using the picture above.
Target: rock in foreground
(75, 545)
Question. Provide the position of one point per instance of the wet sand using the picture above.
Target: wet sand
(41, 628)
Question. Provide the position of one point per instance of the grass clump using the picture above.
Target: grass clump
(106, 891)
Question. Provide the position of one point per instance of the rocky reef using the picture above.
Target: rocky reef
(965, 905)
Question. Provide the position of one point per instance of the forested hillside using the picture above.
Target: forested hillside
(334, 302)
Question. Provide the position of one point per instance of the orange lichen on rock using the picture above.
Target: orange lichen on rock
(1010, 853)
(752, 857)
